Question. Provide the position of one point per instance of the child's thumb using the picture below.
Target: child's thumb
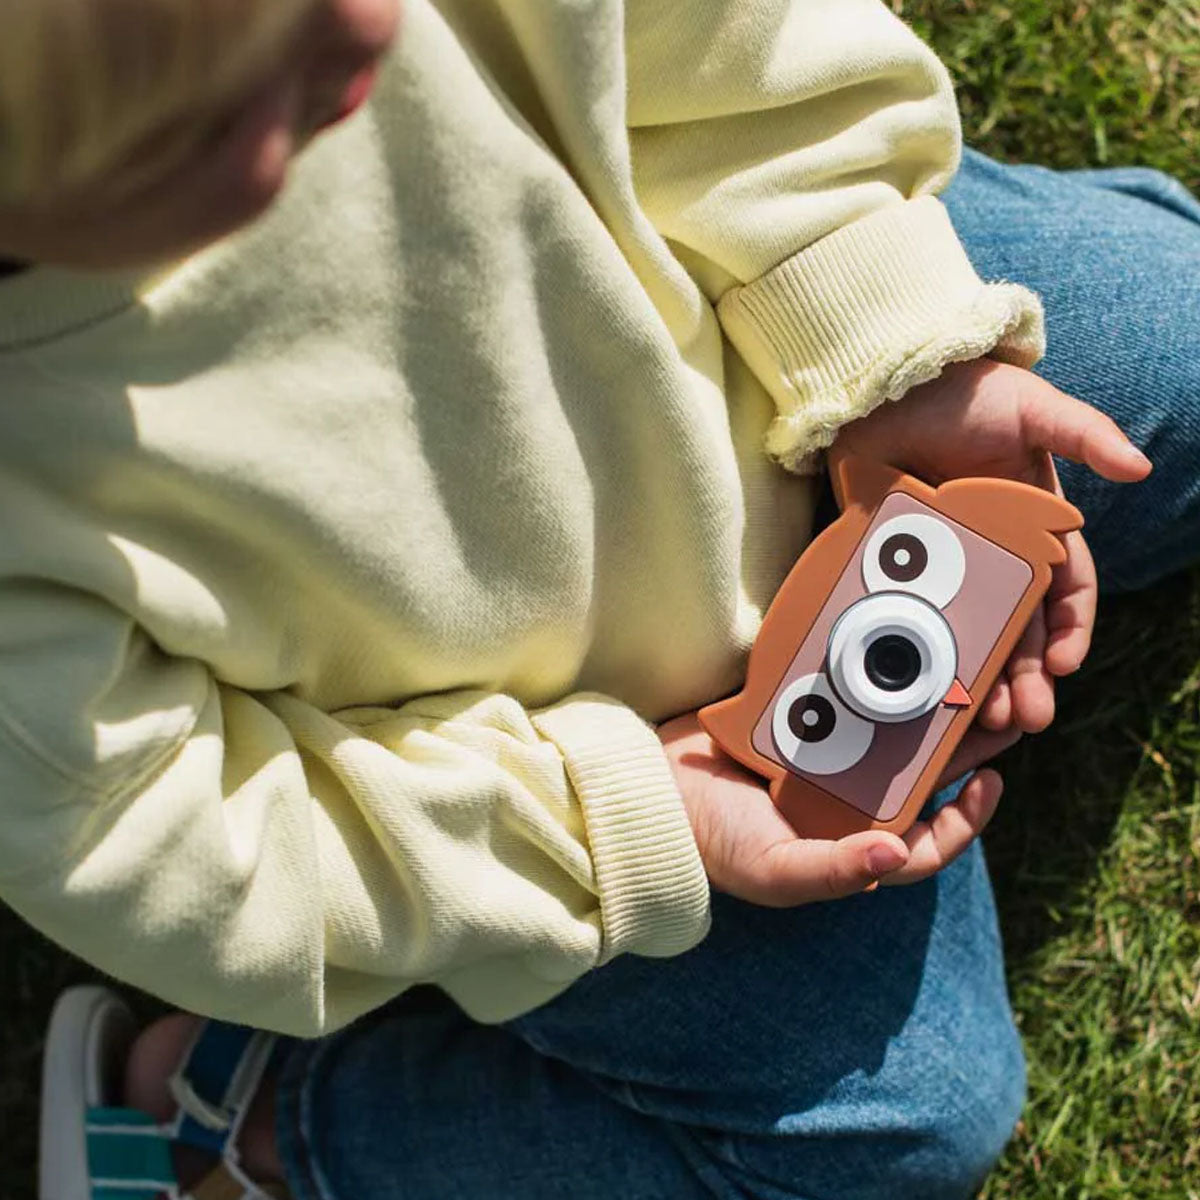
(805, 871)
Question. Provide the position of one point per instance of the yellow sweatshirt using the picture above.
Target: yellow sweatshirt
(343, 567)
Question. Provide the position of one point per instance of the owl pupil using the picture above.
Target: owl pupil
(811, 718)
(903, 557)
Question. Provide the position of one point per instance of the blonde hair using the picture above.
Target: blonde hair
(84, 84)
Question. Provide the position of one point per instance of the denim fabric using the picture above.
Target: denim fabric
(1115, 256)
(859, 1050)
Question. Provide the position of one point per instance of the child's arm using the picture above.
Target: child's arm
(790, 153)
(252, 857)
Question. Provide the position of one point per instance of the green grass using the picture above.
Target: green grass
(1069, 83)
(1096, 852)
(1096, 857)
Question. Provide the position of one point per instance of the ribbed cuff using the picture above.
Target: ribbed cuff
(864, 315)
(653, 891)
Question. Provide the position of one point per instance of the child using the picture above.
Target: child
(346, 561)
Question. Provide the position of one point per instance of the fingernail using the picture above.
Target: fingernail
(885, 858)
(1133, 452)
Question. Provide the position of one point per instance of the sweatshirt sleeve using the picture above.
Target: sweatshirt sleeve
(790, 151)
(252, 858)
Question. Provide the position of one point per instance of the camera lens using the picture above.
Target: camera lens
(891, 657)
(892, 663)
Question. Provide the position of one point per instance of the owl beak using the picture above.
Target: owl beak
(957, 696)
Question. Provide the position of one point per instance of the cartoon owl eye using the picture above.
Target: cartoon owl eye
(814, 731)
(918, 554)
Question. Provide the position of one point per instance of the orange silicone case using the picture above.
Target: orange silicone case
(1022, 521)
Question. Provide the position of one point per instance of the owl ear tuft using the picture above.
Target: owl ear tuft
(726, 721)
(1032, 507)
(861, 481)
(1025, 519)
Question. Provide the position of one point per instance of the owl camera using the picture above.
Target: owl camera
(883, 640)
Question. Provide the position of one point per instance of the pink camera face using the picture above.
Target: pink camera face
(879, 676)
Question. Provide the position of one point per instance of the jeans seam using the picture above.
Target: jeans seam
(303, 1071)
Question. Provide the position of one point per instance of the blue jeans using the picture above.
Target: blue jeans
(857, 1050)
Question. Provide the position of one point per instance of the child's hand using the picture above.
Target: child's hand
(750, 851)
(986, 418)
(979, 418)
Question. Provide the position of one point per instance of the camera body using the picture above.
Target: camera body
(883, 640)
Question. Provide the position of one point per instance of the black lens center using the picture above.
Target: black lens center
(892, 663)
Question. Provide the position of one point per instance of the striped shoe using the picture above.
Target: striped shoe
(92, 1149)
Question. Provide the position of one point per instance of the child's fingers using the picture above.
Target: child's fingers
(807, 870)
(935, 844)
(1065, 426)
(978, 747)
(995, 713)
(1071, 608)
(1031, 684)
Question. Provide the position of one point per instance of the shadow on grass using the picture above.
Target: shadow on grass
(1066, 788)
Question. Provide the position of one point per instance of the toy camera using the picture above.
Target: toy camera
(884, 639)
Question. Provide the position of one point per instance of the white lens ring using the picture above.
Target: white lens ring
(900, 615)
(845, 741)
